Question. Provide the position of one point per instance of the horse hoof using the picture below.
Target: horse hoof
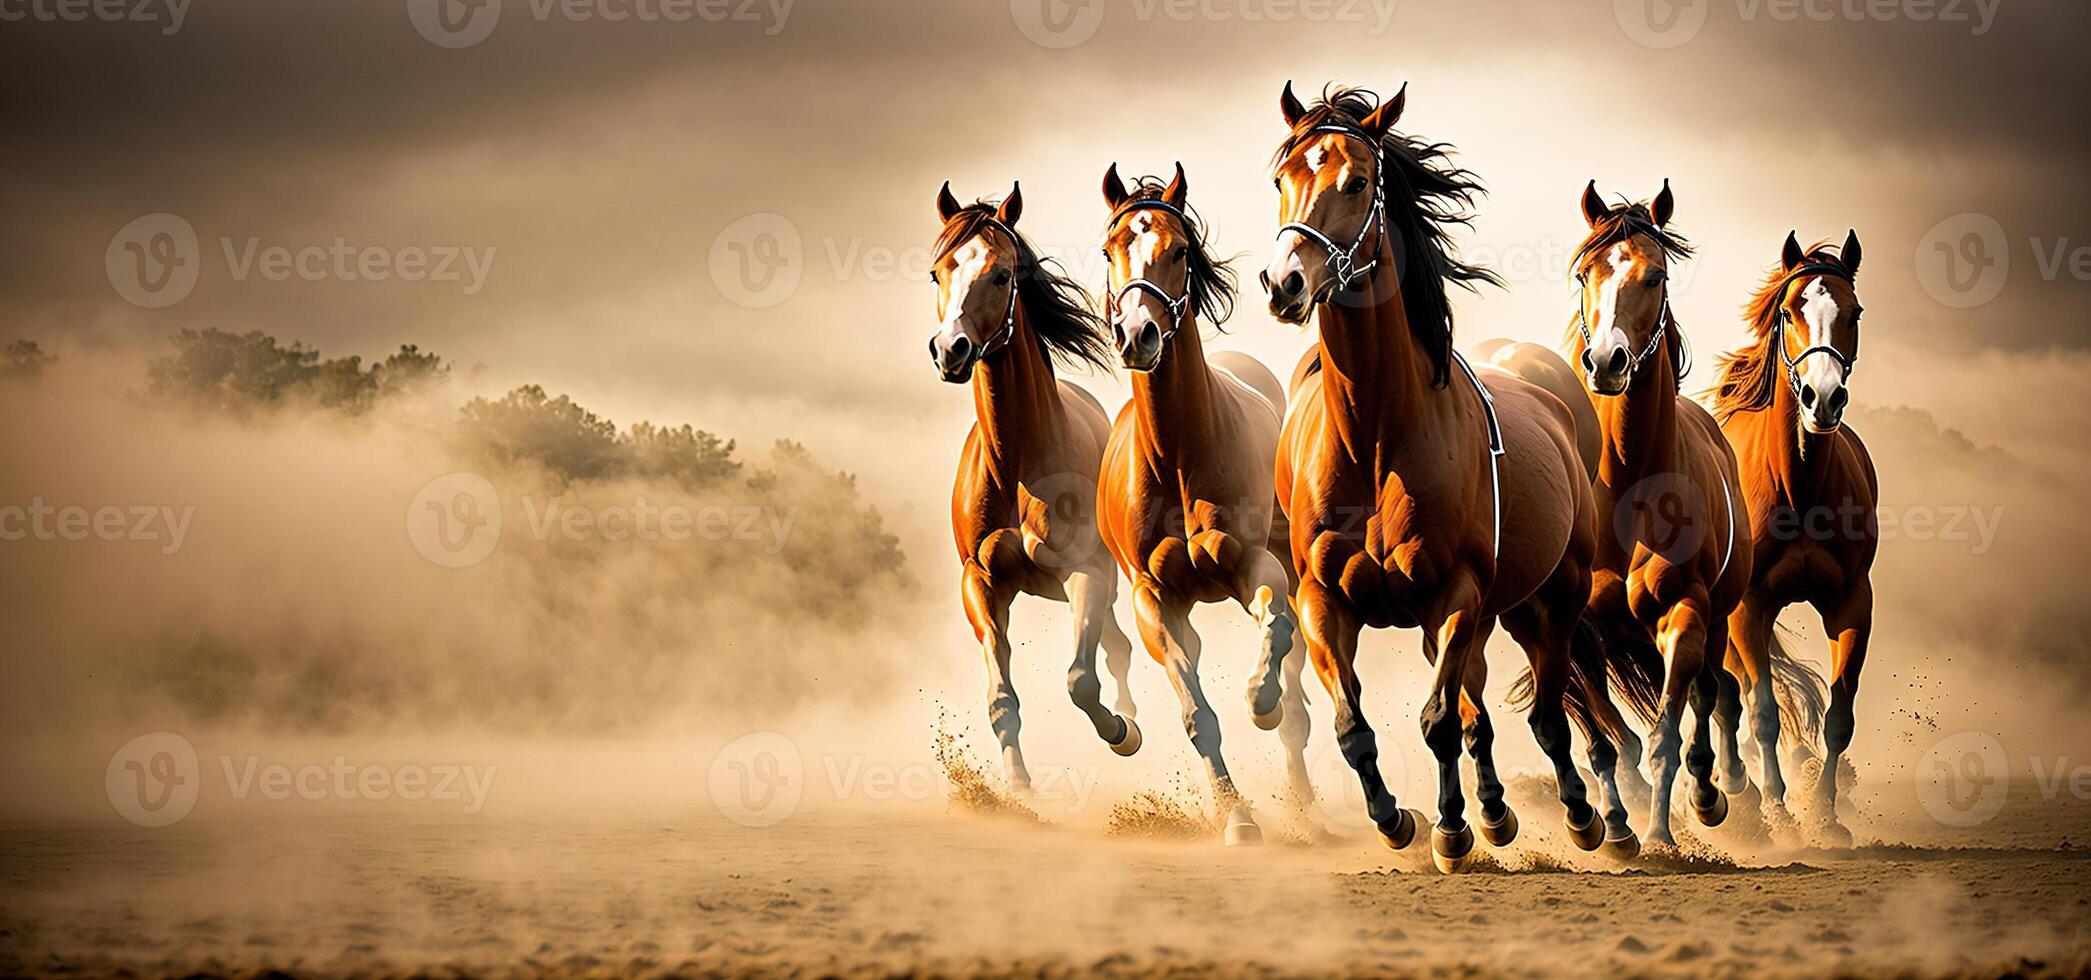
(1747, 797)
(1403, 833)
(1453, 852)
(1587, 837)
(1128, 743)
(1502, 832)
(1622, 848)
(1242, 833)
(1711, 814)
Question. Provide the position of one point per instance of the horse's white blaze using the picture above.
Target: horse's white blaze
(1146, 247)
(1819, 309)
(1606, 313)
(971, 263)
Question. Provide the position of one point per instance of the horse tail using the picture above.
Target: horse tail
(1595, 660)
(1801, 694)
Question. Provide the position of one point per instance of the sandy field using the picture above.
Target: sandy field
(596, 886)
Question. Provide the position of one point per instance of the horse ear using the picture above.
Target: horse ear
(1012, 206)
(1850, 252)
(1177, 191)
(1594, 209)
(1290, 105)
(946, 204)
(1383, 118)
(1114, 189)
(1792, 257)
(1664, 205)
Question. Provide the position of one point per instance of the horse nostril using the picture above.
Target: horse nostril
(1294, 282)
(1118, 333)
(1589, 360)
(1617, 363)
(1838, 399)
(961, 346)
(1150, 335)
(1808, 396)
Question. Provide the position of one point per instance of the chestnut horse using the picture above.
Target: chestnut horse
(1023, 507)
(1185, 500)
(1781, 401)
(1673, 551)
(1417, 496)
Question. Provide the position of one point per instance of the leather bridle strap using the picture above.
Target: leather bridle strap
(1793, 364)
(1176, 305)
(1343, 262)
(1655, 341)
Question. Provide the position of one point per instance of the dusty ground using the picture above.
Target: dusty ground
(613, 889)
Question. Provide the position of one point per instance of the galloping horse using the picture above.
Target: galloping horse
(1781, 402)
(1417, 496)
(1185, 499)
(1673, 555)
(1023, 508)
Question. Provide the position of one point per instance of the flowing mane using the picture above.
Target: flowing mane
(1749, 375)
(1625, 221)
(1426, 196)
(1212, 282)
(1055, 306)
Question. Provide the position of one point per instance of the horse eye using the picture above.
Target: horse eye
(1002, 277)
(1656, 278)
(933, 277)
(1356, 186)
(1183, 251)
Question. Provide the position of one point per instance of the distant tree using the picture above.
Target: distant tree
(693, 457)
(23, 359)
(565, 438)
(245, 372)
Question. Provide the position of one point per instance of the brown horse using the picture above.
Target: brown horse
(1023, 507)
(1185, 500)
(1417, 496)
(1673, 555)
(1781, 401)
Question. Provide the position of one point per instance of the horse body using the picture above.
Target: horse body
(1400, 513)
(1185, 499)
(1811, 491)
(1022, 514)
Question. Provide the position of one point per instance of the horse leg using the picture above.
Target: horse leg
(1166, 629)
(1709, 804)
(1849, 624)
(988, 609)
(1451, 631)
(1296, 727)
(1331, 632)
(1089, 597)
(1750, 636)
(1545, 628)
(1118, 659)
(1498, 824)
(1727, 719)
(1681, 635)
(1260, 588)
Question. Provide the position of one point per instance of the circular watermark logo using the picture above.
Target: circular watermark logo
(757, 261)
(154, 779)
(455, 520)
(1345, 807)
(758, 779)
(1963, 779)
(153, 261)
(1666, 513)
(1660, 23)
(1057, 23)
(1963, 261)
(454, 23)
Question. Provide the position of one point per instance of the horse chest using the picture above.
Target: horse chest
(1798, 571)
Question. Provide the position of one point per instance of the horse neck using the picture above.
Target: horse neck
(1640, 424)
(1175, 400)
(1014, 397)
(1377, 376)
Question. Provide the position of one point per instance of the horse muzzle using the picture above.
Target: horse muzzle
(954, 357)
